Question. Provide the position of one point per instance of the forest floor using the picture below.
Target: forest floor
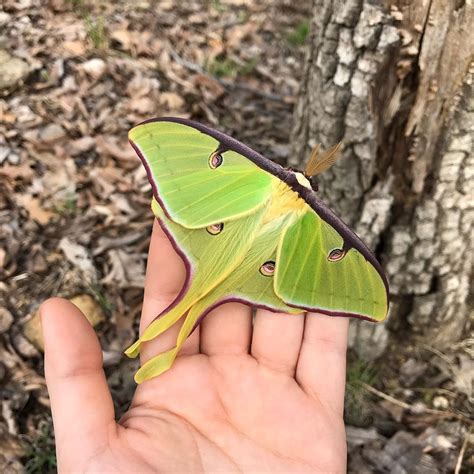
(74, 203)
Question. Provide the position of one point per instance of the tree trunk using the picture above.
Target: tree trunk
(393, 80)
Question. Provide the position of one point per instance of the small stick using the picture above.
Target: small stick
(457, 469)
(406, 406)
(389, 398)
(226, 83)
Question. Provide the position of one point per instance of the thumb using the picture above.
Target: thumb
(81, 404)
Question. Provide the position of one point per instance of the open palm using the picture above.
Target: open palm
(244, 395)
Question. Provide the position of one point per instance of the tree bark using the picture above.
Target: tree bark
(393, 81)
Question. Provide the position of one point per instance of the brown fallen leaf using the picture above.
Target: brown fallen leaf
(142, 86)
(105, 183)
(109, 146)
(12, 450)
(73, 48)
(127, 270)
(33, 206)
(237, 33)
(172, 100)
(79, 256)
(14, 172)
(48, 135)
(142, 105)
(214, 87)
(81, 145)
(59, 182)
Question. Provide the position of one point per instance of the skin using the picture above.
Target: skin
(239, 398)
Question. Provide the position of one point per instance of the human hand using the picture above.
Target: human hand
(261, 397)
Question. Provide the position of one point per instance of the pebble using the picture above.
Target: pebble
(14, 158)
(52, 133)
(4, 18)
(12, 70)
(440, 403)
(95, 67)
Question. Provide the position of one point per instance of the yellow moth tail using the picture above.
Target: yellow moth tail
(156, 365)
(133, 350)
(162, 362)
(157, 327)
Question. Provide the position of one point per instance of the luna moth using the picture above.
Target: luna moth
(248, 230)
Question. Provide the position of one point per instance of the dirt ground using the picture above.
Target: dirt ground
(74, 203)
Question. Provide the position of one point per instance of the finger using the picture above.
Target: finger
(276, 340)
(81, 404)
(321, 369)
(227, 330)
(165, 277)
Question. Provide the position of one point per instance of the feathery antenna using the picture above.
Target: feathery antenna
(319, 162)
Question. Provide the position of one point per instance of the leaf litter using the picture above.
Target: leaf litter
(74, 200)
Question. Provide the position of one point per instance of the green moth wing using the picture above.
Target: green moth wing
(317, 273)
(186, 169)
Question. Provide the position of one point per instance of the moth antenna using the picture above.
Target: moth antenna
(312, 160)
(318, 163)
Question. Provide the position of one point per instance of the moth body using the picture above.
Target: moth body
(283, 200)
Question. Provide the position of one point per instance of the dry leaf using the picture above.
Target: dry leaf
(17, 171)
(74, 48)
(59, 182)
(212, 85)
(143, 105)
(81, 145)
(33, 206)
(464, 376)
(109, 146)
(127, 270)
(172, 100)
(79, 256)
(124, 37)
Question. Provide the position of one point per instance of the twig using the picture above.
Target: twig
(389, 398)
(439, 354)
(467, 345)
(457, 469)
(187, 64)
(410, 408)
(226, 83)
(264, 95)
(444, 391)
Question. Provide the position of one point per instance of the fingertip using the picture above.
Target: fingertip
(66, 328)
(50, 305)
(323, 352)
